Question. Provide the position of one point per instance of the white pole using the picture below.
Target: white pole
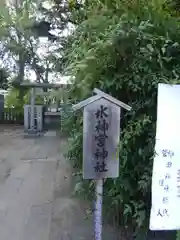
(98, 209)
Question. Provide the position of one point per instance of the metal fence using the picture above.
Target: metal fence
(11, 116)
(14, 116)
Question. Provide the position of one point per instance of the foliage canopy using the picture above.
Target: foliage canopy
(124, 48)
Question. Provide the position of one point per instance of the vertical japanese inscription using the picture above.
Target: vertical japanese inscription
(101, 135)
(164, 183)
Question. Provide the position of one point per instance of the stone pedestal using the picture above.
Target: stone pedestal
(37, 119)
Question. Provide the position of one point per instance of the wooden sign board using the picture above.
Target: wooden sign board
(101, 132)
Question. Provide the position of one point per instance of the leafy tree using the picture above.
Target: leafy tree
(20, 33)
(124, 48)
(22, 27)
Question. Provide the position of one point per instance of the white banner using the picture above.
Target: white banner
(165, 209)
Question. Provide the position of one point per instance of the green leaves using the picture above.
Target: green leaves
(126, 50)
(178, 235)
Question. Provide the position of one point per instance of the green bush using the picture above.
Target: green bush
(125, 50)
(12, 100)
(66, 116)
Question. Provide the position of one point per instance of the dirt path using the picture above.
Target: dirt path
(36, 201)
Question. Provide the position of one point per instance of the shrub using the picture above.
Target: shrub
(125, 50)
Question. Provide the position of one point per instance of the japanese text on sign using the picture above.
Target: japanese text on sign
(164, 182)
(166, 167)
(101, 134)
